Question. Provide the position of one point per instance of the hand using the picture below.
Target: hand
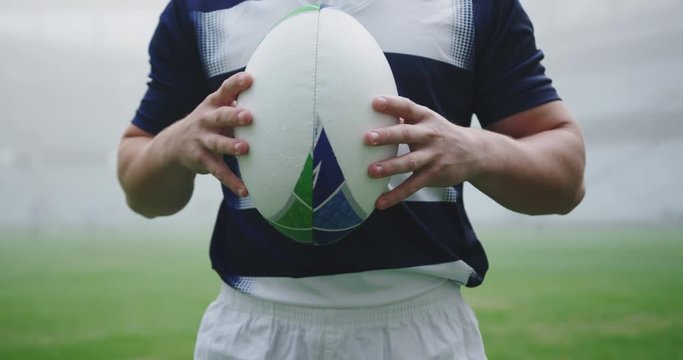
(441, 153)
(202, 138)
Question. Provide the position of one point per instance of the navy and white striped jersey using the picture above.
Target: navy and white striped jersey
(458, 57)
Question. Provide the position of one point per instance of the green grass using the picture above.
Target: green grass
(102, 295)
(550, 294)
(582, 294)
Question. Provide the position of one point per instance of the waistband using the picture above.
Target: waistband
(446, 297)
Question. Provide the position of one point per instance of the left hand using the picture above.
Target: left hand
(441, 153)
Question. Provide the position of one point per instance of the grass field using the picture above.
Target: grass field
(550, 294)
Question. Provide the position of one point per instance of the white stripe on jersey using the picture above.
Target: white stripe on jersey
(368, 288)
(228, 37)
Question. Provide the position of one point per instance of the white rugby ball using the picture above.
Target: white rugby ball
(315, 74)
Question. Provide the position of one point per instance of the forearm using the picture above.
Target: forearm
(538, 174)
(155, 184)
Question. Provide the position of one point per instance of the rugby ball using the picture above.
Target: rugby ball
(315, 74)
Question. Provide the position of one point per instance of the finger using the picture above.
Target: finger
(406, 163)
(230, 88)
(399, 134)
(407, 188)
(224, 145)
(222, 172)
(226, 116)
(400, 107)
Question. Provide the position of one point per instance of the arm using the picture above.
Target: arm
(157, 172)
(531, 162)
(536, 165)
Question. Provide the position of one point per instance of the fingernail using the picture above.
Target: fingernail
(374, 138)
(241, 79)
(381, 102)
(241, 192)
(242, 117)
(381, 204)
(379, 170)
(238, 148)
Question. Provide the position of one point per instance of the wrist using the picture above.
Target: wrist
(482, 146)
(166, 148)
(490, 155)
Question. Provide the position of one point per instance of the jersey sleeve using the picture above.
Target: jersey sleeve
(508, 72)
(176, 81)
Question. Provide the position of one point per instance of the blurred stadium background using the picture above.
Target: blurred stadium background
(73, 71)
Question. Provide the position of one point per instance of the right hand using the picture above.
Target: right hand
(202, 138)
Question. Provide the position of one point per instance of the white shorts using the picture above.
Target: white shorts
(436, 325)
